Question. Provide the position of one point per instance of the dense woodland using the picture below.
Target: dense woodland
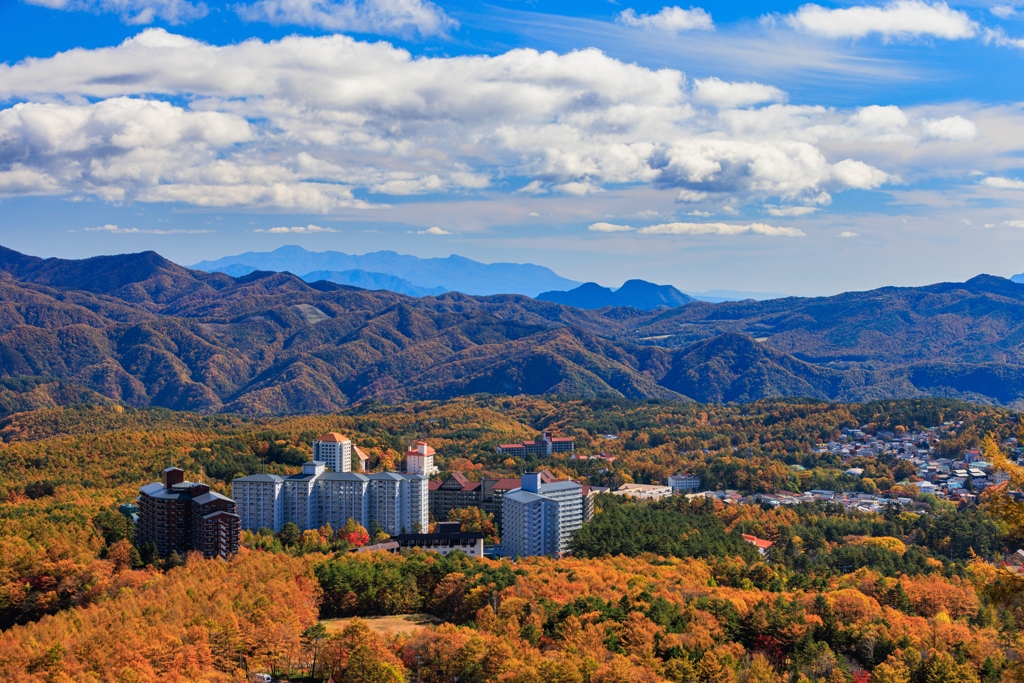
(654, 592)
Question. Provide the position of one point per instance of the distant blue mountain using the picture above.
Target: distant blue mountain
(639, 294)
(454, 273)
(719, 295)
(1019, 278)
(373, 281)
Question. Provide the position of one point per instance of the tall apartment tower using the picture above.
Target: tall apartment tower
(419, 459)
(258, 499)
(298, 496)
(540, 518)
(179, 516)
(334, 451)
(341, 496)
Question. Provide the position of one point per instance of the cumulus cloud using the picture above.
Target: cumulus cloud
(434, 231)
(900, 19)
(719, 93)
(116, 230)
(387, 17)
(304, 123)
(669, 20)
(134, 11)
(609, 227)
(720, 229)
(955, 128)
(847, 234)
(296, 230)
(1003, 183)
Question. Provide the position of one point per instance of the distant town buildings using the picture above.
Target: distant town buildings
(544, 446)
(539, 518)
(398, 503)
(178, 516)
(684, 482)
(334, 451)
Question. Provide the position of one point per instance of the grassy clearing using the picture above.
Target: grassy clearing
(388, 626)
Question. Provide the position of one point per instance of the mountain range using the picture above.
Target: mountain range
(413, 274)
(141, 330)
(638, 294)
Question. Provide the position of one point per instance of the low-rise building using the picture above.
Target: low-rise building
(447, 538)
(644, 491)
(684, 482)
(544, 446)
(761, 544)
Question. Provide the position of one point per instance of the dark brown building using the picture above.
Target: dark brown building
(459, 492)
(179, 516)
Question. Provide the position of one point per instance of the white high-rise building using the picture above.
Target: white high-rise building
(540, 519)
(335, 451)
(258, 501)
(399, 503)
(419, 459)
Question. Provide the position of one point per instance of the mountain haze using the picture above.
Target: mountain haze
(453, 273)
(141, 330)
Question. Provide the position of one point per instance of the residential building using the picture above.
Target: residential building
(545, 446)
(341, 496)
(334, 451)
(179, 516)
(298, 498)
(644, 491)
(761, 544)
(684, 482)
(455, 492)
(539, 518)
(399, 503)
(419, 459)
(258, 498)
(448, 537)
(364, 459)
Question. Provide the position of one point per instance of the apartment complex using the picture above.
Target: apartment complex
(398, 503)
(334, 451)
(458, 492)
(179, 516)
(544, 446)
(539, 518)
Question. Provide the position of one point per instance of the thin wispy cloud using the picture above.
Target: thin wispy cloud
(702, 229)
(848, 234)
(609, 227)
(296, 230)
(117, 230)
(385, 17)
(1001, 183)
(173, 12)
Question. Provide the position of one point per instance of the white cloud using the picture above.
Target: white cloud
(115, 230)
(720, 229)
(955, 128)
(1003, 183)
(997, 36)
(719, 93)
(387, 17)
(857, 174)
(1014, 224)
(900, 19)
(669, 20)
(296, 230)
(134, 11)
(1003, 11)
(847, 234)
(434, 231)
(609, 227)
(781, 211)
(304, 123)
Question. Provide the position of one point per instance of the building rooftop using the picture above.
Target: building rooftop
(332, 437)
(209, 497)
(262, 478)
(343, 476)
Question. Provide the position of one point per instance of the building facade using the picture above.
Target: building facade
(454, 493)
(541, 518)
(178, 516)
(448, 538)
(419, 459)
(544, 446)
(398, 503)
(334, 451)
(684, 482)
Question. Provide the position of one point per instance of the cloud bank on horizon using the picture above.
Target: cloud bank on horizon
(407, 114)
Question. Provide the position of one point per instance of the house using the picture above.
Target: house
(759, 543)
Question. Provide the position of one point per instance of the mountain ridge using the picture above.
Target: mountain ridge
(638, 294)
(148, 332)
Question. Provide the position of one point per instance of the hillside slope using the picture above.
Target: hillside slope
(144, 331)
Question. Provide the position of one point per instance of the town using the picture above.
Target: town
(537, 514)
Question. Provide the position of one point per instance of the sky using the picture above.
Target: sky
(790, 147)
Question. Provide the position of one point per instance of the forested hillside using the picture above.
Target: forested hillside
(142, 331)
(664, 592)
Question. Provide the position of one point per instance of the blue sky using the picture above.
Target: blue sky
(794, 147)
